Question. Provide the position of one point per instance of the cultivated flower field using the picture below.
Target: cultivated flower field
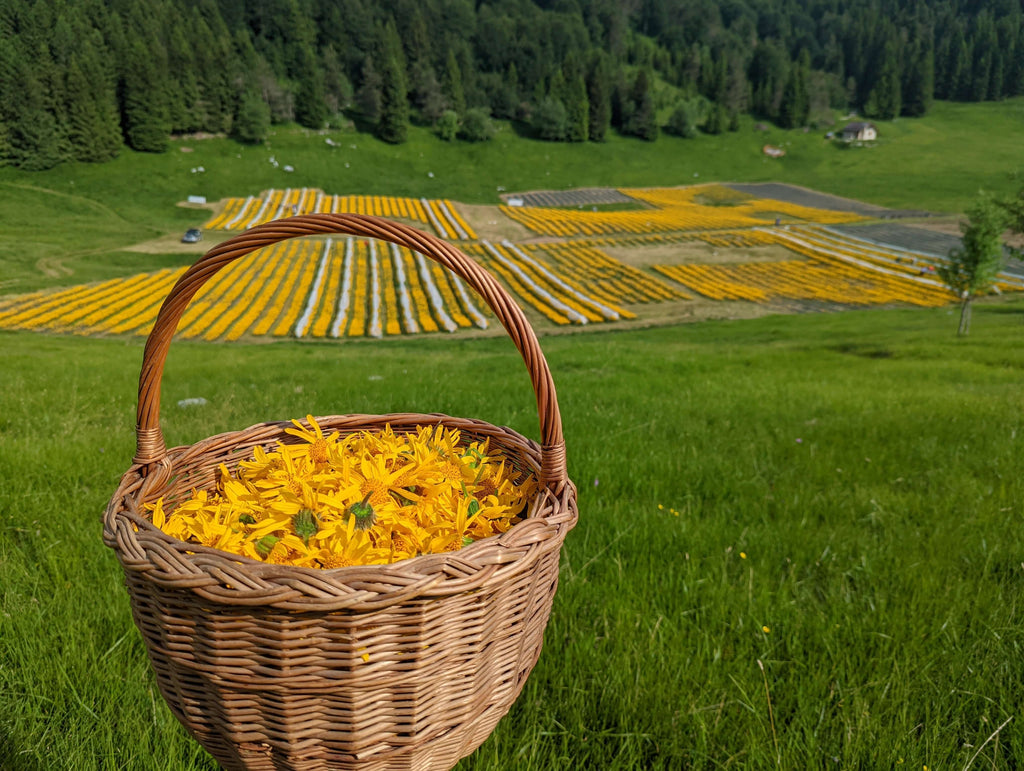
(702, 207)
(300, 288)
(348, 287)
(836, 269)
(243, 213)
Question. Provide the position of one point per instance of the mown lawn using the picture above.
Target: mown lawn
(797, 544)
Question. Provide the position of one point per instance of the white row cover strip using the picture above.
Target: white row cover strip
(441, 232)
(604, 310)
(319, 200)
(259, 215)
(454, 222)
(404, 300)
(574, 316)
(854, 260)
(314, 295)
(280, 206)
(435, 296)
(375, 325)
(241, 213)
(818, 241)
(1009, 278)
(341, 315)
(467, 303)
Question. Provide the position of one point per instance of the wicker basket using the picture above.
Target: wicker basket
(404, 666)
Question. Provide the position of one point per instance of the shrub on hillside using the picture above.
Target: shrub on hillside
(448, 125)
(683, 121)
(550, 119)
(477, 125)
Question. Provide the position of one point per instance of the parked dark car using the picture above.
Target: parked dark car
(192, 235)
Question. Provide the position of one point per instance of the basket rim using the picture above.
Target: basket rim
(228, 579)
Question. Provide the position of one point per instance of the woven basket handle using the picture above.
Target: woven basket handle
(151, 448)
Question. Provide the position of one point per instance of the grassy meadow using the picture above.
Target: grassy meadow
(797, 537)
(831, 497)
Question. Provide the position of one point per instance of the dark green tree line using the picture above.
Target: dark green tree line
(79, 80)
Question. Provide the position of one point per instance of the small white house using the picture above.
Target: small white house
(864, 132)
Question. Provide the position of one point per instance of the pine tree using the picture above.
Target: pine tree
(550, 119)
(369, 95)
(182, 84)
(795, 108)
(252, 122)
(451, 84)
(919, 78)
(94, 130)
(885, 99)
(598, 98)
(717, 120)
(577, 109)
(393, 125)
(5, 144)
(143, 109)
(310, 106)
(644, 120)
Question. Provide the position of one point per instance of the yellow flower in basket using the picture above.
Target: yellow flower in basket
(363, 499)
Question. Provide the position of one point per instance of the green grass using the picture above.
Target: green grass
(79, 215)
(867, 465)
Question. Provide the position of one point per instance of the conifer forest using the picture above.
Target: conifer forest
(81, 79)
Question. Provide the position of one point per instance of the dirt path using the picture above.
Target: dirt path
(490, 224)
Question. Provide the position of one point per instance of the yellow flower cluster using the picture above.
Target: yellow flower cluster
(369, 498)
(608, 280)
(821, 278)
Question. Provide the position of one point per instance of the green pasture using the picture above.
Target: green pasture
(832, 497)
(67, 225)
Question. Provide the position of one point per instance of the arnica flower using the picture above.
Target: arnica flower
(366, 498)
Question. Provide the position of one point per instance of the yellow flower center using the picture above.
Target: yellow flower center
(380, 492)
(318, 451)
(336, 561)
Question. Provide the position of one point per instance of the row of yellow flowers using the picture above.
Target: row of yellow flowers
(546, 291)
(901, 260)
(742, 204)
(325, 311)
(712, 281)
(442, 280)
(854, 281)
(420, 303)
(92, 308)
(392, 313)
(832, 281)
(243, 213)
(266, 293)
(604, 277)
(259, 303)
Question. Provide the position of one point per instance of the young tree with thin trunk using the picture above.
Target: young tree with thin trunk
(972, 268)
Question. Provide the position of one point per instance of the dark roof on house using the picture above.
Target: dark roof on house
(858, 126)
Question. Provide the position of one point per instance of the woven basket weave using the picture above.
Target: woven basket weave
(404, 666)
